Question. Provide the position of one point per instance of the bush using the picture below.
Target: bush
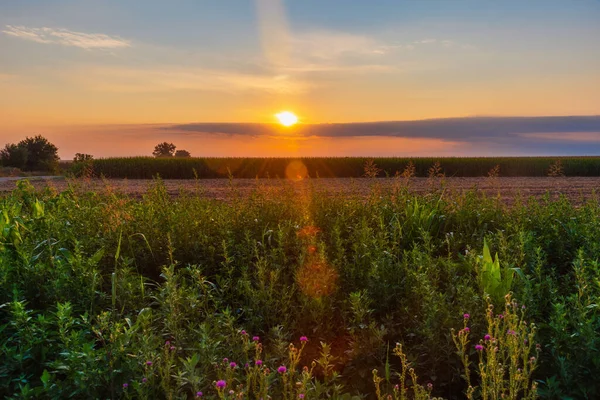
(14, 156)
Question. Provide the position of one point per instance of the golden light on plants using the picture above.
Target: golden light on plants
(287, 118)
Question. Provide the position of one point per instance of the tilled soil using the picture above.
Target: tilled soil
(577, 189)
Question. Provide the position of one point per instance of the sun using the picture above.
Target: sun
(287, 118)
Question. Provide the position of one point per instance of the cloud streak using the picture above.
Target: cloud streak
(65, 37)
(470, 128)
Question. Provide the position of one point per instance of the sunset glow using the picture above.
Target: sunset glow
(286, 118)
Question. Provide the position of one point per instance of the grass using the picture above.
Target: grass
(188, 168)
(107, 296)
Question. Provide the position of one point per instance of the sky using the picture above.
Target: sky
(113, 77)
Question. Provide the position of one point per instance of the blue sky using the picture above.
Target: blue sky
(98, 63)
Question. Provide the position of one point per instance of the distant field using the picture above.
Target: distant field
(576, 189)
(182, 168)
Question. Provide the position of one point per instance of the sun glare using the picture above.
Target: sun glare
(286, 118)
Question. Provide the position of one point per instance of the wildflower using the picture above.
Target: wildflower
(487, 338)
(221, 384)
(301, 396)
(282, 369)
(478, 347)
(430, 386)
(148, 363)
(246, 365)
(303, 339)
(172, 348)
(199, 394)
(144, 380)
(255, 338)
(232, 365)
(258, 362)
(467, 330)
(243, 332)
(125, 385)
(226, 360)
(511, 332)
(167, 343)
(466, 316)
(397, 387)
(532, 360)
(231, 392)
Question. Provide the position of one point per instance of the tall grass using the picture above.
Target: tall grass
(182, 168)
(106, 296)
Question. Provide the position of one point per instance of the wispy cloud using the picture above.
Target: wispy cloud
(169, 78)
(66, 37)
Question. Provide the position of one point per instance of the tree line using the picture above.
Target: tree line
(39, 154)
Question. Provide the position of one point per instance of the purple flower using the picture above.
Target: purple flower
(466, 316)
(255, 338)
(232, 365)
(144, 380)
(246, 365)
(125, 385)
(258, 362)
(199, 394)
(167, 343)
(282, 369)
(226, 360)
(478, 347)
(511, 332)
(487, 338)
(148, 363)
(231, 392)
(397, 387)
(301, 396)
(430, 386)
(172, 348)
(467, 329)
(303, 339)
(243, 332)
(221, 384)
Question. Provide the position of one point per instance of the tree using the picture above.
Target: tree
(164, 149)
(41, 154)
(13, 156)
(82, 157)
(182, 154)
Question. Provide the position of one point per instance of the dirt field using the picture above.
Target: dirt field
(577, 189)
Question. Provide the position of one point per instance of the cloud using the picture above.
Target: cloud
(66, 37)
(171, 78)
(457, 129)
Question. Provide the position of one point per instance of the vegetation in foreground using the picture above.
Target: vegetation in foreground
(312, 296)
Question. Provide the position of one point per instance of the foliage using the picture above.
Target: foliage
(495, 281)
(13, 155)
(109, 296)
(41, 154)
(164, 150)
(182, 154)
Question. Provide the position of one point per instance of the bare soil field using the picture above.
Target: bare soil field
(577, 189)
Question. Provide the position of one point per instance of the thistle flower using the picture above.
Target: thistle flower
(221, 384)
(282, 369)
(255, 338)
(478, 347)
(232, 365)
(125, 385)
(148, 363)
(301, 396)
(466, 316)
(258, 362)
(199, 394)
(243, 332)
(231, 392)
(144, 380)
(303, 339)
(467, 329)
(487, 338)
